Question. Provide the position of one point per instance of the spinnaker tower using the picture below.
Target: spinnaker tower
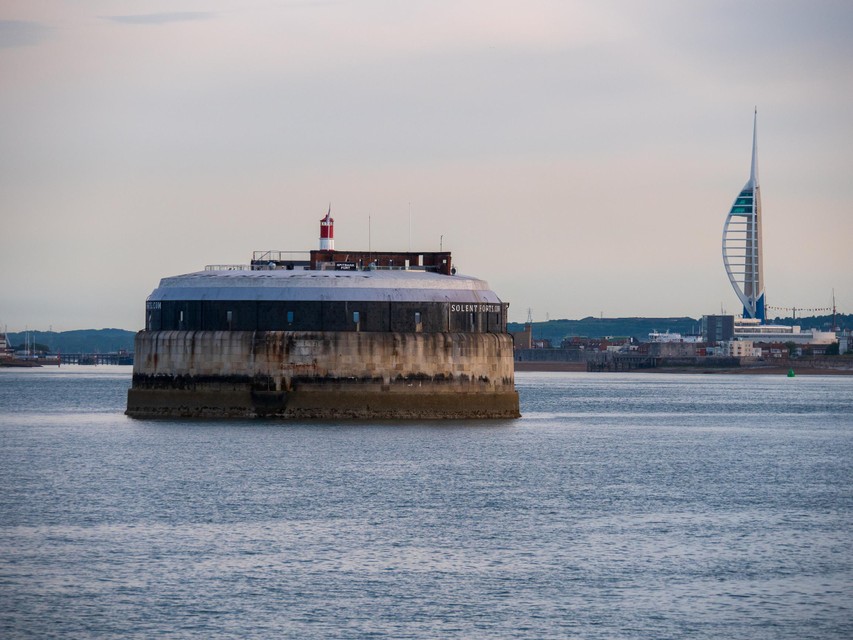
(742, 254)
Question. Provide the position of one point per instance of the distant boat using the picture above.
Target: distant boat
(14, 362)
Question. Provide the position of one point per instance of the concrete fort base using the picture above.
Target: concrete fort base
(322, 375)
(320, 402)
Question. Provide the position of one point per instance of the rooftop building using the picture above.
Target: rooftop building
(752, 329)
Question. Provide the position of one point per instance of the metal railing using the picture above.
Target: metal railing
(280, 256)
(227, 267)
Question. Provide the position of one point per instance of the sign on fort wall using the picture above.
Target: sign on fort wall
(475, 308)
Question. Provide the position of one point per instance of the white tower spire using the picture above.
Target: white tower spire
(742, 246)
(753, 170)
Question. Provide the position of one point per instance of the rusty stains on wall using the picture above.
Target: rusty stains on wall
(323, 374)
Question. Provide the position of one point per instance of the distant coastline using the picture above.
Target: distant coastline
(800, 368)
(76, 341)
(640, 327)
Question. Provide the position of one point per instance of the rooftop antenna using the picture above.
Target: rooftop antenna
(441, 244)
(753, 169)
(410, 227)
(368, 235)
(529, 315)
(834, 326)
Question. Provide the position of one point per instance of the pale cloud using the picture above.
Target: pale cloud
(161, 18)
(22, 33)
(470, 25)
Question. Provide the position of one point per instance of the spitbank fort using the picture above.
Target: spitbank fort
(325, 334)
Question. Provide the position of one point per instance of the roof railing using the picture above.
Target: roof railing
(373, 266)
(279, 256)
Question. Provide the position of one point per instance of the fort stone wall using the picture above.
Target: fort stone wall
(323, 375)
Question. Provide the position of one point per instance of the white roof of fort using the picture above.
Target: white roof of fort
(304, 285)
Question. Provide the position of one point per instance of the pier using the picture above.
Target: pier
(621, 362)
(96, 358)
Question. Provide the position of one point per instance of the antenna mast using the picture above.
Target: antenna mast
(834, 325)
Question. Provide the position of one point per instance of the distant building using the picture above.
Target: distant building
(724, 329)
(5, 347)
(606, 343)
(575, 342)
(673, 349)
(523, 339)
(737, 349)
(717, 329)
(749, 329)
(656, 336)
(845, 342)
(774, 350)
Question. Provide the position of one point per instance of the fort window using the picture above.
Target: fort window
(326, 315)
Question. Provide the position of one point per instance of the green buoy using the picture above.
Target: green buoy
(791, 373)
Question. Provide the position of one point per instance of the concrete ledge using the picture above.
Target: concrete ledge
(178, 403)
(321, 402)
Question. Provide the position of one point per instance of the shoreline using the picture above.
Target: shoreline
(805, 369)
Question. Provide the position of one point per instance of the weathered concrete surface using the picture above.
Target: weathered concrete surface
(323, 375)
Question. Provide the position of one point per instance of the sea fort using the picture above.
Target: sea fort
(325, 334)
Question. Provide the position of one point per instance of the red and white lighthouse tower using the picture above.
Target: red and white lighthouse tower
(327, 232)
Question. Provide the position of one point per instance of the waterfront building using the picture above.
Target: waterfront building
(753, 329)
(742, 247)
(737, 349)
(717, 328)
(725, 329)
(667, 336)
(523, 339)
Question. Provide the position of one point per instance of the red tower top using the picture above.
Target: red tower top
(327, 226)
(327, 231)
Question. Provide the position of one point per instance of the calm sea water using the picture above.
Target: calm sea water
(619, 506)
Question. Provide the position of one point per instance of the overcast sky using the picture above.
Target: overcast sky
(579, 156)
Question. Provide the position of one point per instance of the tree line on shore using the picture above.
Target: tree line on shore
(113, 340)
(639, 328)
(77, 341)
